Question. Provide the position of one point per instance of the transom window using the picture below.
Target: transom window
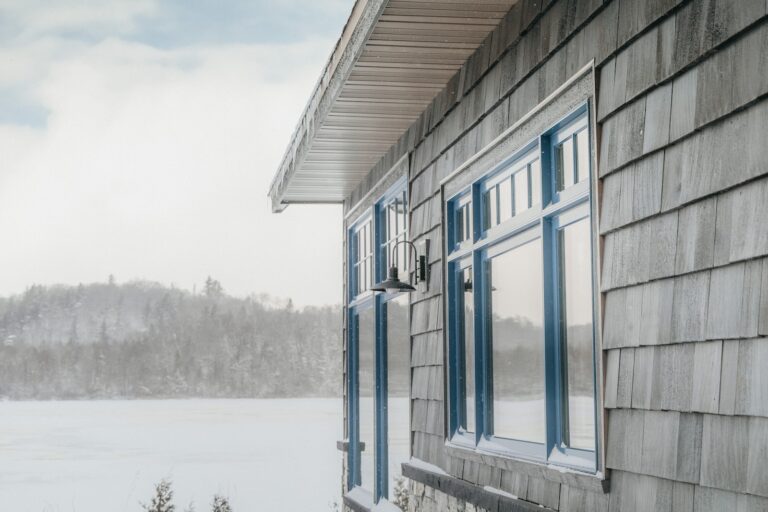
(361, 257)
(521, 301)
(392, 223)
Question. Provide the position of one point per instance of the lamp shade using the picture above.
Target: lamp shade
(393, 284)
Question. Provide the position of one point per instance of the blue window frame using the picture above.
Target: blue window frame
(521, 304)
(379, 350)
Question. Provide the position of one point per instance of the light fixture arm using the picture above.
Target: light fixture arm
(421, 261)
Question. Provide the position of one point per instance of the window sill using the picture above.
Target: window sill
(343, 445)
(593, 482)
(481, 497)
(360, 500)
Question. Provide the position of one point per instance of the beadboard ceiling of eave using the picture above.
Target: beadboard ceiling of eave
(393, 58)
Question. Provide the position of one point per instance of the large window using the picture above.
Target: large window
(379, 356)
(521, 300)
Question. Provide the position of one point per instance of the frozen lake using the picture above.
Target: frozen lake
(96, 456)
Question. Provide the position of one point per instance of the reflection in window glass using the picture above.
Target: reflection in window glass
(366, 376)
(517, 341)
(468, 321)
(398, 386)
(582, 155)
(521, 191)
(564, 168)
(576, 332)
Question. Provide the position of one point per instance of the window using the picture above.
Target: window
(521, 304)
(361, 257)
(379, 350)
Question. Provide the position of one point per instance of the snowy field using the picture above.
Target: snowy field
(105, 456)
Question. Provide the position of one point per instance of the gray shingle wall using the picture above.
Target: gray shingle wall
(682, 114)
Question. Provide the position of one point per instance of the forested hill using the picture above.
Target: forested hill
(142, 339)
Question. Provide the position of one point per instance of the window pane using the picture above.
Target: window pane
(517, 335)
(564, 164)
(392, 227)
(521, 191)
(505, 199)
(398, 384)
(403, 215)
(534, 168)
(468, 221)
(402, 257)
(576, 332)
(468, 321)
(459, 225)
(366, 376)
(582, 155)
(490, 208)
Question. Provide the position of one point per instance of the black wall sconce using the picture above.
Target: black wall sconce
(393, 284)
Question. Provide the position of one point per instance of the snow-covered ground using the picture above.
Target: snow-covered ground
(102, 456)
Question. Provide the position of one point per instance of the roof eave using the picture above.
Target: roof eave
(360, 24)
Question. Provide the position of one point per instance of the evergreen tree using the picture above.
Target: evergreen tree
(220, 504)
(162, 500)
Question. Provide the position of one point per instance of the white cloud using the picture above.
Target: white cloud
(156, 164)
(38, 17)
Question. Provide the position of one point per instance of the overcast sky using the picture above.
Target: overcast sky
(138, 138)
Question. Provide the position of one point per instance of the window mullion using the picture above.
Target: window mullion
(482, 399)
(551, 352)
(380, 414)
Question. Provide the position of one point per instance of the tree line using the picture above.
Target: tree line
(142, 339)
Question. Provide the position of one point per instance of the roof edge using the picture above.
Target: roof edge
(362, 19)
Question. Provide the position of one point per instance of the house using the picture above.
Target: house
(585, 186)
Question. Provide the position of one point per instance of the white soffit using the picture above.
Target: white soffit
(391, 61)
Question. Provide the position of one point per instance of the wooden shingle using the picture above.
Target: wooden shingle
(660, 436)
(729, 377)
(656, 325)
(750, 301)
(657, 112)
(573, 499)
(625, 440)
(690, 433)
(725, 300)
(689, 307)
(696, 236)
(639, 493)
(543, 492)
(682, 497)
(622, 137)
(724, 452)
(672, 377)
(622, 317)
(648, 177)
(611, 378)
(642, 378)
(683, 104)
(747, 208)
(752, 378)
(757, 476)
(626, 372)
(707, 359)
(763, 323)
(661, 242)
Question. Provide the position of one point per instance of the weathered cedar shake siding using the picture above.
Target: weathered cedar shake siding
(682, 144)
